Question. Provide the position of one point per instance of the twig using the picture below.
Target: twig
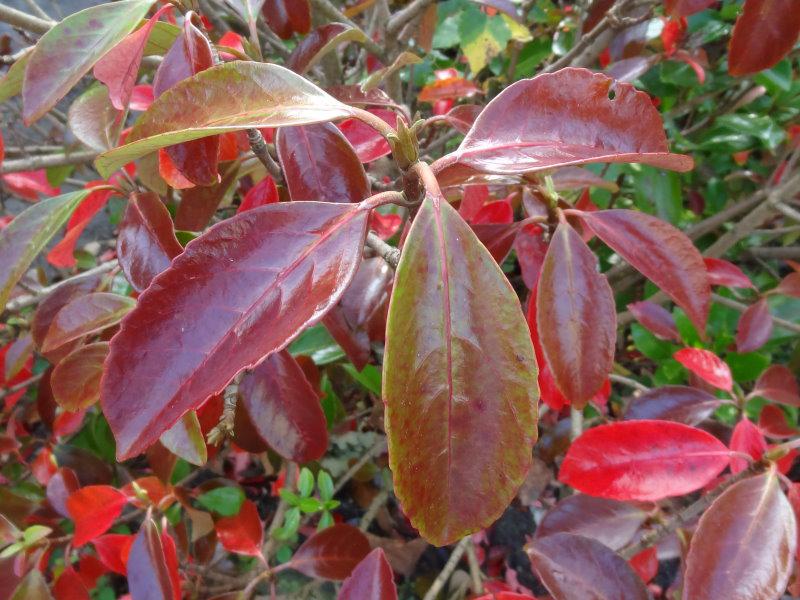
(372, 511)
(277, 519)
(377, 448)
(21, 20)
(449, 567)
(38, 10)
(575, 423)
(474, 569)
(21, 385)
(259, 147)
(387, 252)
(334, 14)
(44, 161)
(224, 427)
(631, 383)
(401, 17)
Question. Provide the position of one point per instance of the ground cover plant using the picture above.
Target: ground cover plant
(400, 299)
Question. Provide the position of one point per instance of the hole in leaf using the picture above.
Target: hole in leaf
(612, 94)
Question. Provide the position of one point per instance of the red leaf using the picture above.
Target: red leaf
(170, 172)
(29, 185)
(564, 118)
(610, 522)
(198, 204)
(242, 533)
(94, 509)
(150, 574)
(498, 211)
(463, 116)
(191, 53)
(643, 460)
(319, 42)
(747, 439)
(656, 319)
(284, 408)
(85, 315)
(706, 365)
(661, 253)
(368, 143)
(75, 381)
(386, 226)
(645, 564)
(119, 68)
(294, 260)
(789, 285)
(141, 97)
(449, 87)
(69, 586)
(678, 403)
(372, 579)
(573, 567)
(60, 487)
(475, 196)
(722, 272)
(261, 194)
(755, 327)
(773, 422)
(2, 148)
(113, 550)
(62, 254)
(778, 384)
(286, 17)
(548, 390)
(497, 237)
(320, 164)
(576, 317)
(332, 553)
(745, 543)
(146, 243)
(531, 250)
(764, 33)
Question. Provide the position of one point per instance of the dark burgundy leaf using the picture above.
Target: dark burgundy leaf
(198, 204)
(497, 237)
(292, 263)
(369, 144)
(643, 460)
(332, 553)
(531, 250)
(284, 408)
(764, 33)
(372, 579)
(773, 422)
(75, 381)
(576, 317)
(59, 488)
(678, 403)
(656, 319)
(286, 17)
(263, 193)
(319, 42)
(778, 384)
(755, 327)
(84, 315)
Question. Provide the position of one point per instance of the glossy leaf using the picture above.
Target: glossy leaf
(452, 381)
(706, 365)
(28, 233)
(661, 253)
(113, 550)
(320, 164)
(84, 315)
(76, 378)
(678, 403)
(146, 243)
(67, 51)
(284, 408)
(778, 384)
(55, 301)
(62, 255)
(185, 439)
(237, 95)
(764, 33)
(574, 567)
(576, 317)
(94, 509)
(643, 460)
(368, 143)
(656, 319)
(29, 185)
(332, 553)
(561, 119)
(610, 522)
(320, 42)
(199, 203)
(372, 579)
(149, 574)
(94, 120)
(745, 544)
(755, 327)
(286, 17)
(531, 249)
(243, 532)
(747, 439)
(261, 194)
(722, 272)
(293, 262)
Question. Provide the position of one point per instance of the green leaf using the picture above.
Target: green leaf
(292, 521)
(64, 54)
(291, 498)
(369, 377)
(236, 95)
(310, 505)
(225, 501)
(11, 82)
(34, 533)
(28, 233)
(325, 485)
(325, 521)
(185, 439)
(161, 38)
(305, 483)
(317, 343)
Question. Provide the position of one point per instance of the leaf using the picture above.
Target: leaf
(32, 587)
(684, 8)
(70, 586)
(377, 77)
(113, 550)
(764, 33)
(643, 460)
(199, 203)
(146, 243)
(320, 164)
(450, 86)
(574, 567)
(23, 239)
(293, 262)
(744, 545)
(94, 120)
(76, 378)
(773, 422)
(17, 356)
(94, 509)
(678, 403)
(576, 317)
(778, 384)
(185, 439)
(656, 319)
(706, 365)
(755, 327)
(150, 574)
(284, 408)
(263, 193)
(119, 68)
(65, 53)
(236, 95)
(561, 119)
(661, 253)
(286, 17)
(453, 381)
(722, 272)
(610, 522)
(29, 185)
(789, 285)
(226, 501)
(372, 579)
(747, 439)
(332, 553)
(368, 143)
(242, 533)
(84, 315)
(11, 80)
(62, 255)
(531, 249)
(320, 42)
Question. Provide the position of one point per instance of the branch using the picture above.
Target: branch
(259, 147)
(22, 20)
(45, 161)
(401, 17)
(449, 567)
(377, 448)
(21, 385)
(387, 252)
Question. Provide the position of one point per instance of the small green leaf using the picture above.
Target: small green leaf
(310, 505)
(325, 521)
(291, 498)
(305, 483)
(325, 485)
(284, 554)
(331, 504)
(292, 521)
(225, 501)
(34, 533)
(12, 549)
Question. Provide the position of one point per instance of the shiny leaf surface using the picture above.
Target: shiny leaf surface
(243, 532)
(369, 144)
(199, 203)
(149, 574)
(755, 327)
(655, 318)
(332, 553)
(94, 120)
(372, 579)
(76, 378)
(746, 439)
(643, 460)
(286, 17)
(764, 33)
(293, 261)
(320, 42)
(722, 272)
(706, 365)
(452, 381)
(678, 403)
(94, 509)
(84, 315)
(185, 439)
